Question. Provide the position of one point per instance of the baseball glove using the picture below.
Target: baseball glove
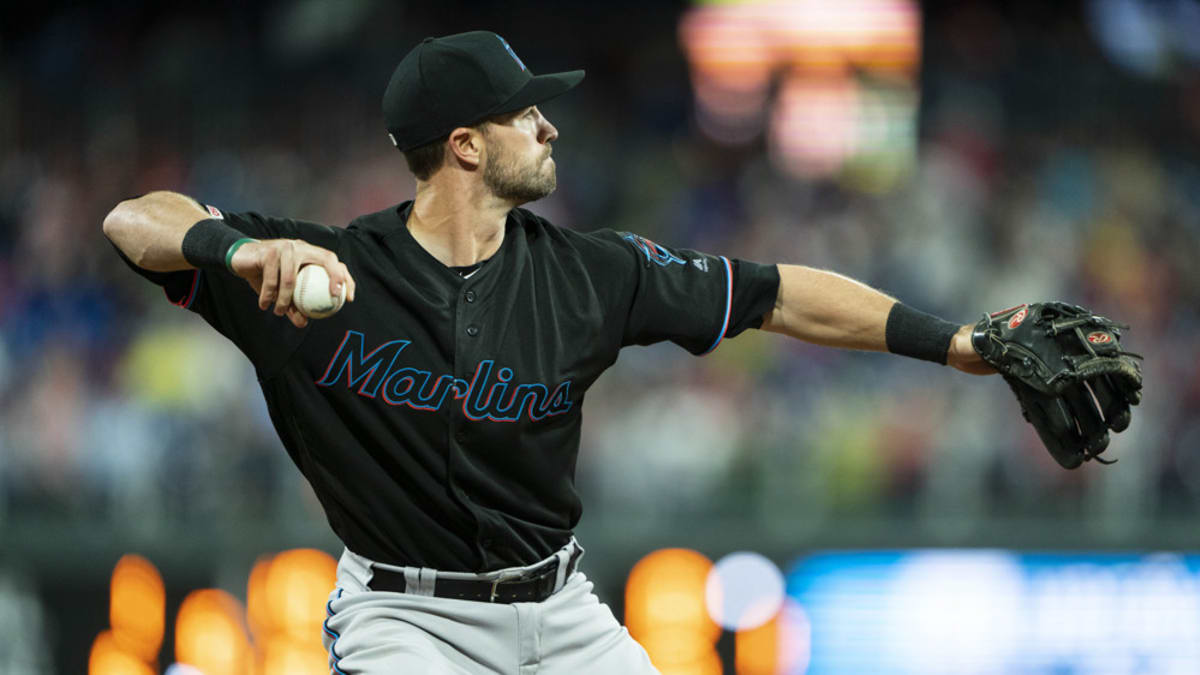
(1067, 368)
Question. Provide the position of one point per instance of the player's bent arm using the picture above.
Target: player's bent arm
(151, 231)
(829, 309)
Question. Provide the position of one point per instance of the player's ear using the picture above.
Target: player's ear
(466, 144)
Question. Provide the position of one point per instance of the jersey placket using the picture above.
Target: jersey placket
(468, 336)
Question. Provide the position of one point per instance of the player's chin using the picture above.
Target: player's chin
(544, 190)
(548, 180)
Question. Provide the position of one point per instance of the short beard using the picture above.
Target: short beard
(518, 184)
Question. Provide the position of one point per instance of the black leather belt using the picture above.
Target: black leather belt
(534, 586)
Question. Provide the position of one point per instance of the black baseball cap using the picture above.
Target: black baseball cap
(460, 80)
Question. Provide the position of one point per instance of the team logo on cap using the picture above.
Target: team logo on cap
(511, 53)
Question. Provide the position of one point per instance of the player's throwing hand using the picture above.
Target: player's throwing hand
(163, 232)
(270, 266)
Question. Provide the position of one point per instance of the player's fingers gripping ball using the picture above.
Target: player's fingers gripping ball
(312, 296)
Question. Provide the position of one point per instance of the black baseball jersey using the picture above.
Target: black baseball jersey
(438, 417)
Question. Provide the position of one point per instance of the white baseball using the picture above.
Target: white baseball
(311, 295)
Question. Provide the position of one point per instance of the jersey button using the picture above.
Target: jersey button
(472, 330)
(470, 296)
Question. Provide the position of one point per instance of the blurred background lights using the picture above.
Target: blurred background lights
(843, 76)
(781, 645)
(298, 583)
(258, 611)
(282, 657)
(210, 634)
(1147, 37)
(665, 611)
(278, 634)
(286, 597)
(978, 611)
(108, 658)
(137, 607)
(744, 590)
(953, 611)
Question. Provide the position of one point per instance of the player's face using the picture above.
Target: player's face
(519, 167)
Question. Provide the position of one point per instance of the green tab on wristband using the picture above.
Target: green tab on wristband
(233, 249)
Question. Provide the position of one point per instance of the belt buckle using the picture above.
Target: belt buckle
(501, 578)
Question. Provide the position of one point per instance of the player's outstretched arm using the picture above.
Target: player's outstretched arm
(167, 231)
(829, 309)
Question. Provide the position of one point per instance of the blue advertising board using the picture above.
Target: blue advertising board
(995, 611)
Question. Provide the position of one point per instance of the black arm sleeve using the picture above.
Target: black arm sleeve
(690, 298)
(229, 304)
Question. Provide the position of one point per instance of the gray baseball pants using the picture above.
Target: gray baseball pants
(376, 632)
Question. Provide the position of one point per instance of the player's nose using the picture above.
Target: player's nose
(546, 131)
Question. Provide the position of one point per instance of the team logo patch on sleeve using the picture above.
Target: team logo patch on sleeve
(653, 252)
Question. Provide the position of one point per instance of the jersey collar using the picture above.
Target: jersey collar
(389, 229)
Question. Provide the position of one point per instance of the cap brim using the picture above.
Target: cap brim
(539, 89)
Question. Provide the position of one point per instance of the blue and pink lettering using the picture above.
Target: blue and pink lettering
(350, 359)
(486, 397)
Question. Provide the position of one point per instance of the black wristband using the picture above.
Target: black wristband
(914, 333)
(205, 245)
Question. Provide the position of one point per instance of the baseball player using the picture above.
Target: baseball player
(437, 415)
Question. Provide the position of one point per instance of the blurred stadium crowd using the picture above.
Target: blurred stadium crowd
(1045, 171)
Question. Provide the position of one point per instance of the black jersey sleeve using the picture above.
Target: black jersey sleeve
(690, 298)
(229, 304)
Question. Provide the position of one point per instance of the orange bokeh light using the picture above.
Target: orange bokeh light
(296, 588)
(108, 658)
(258, 611)
(757, 649)
(666, 590)
(707, 664)
(210, 634)
(281, 656)
(781, 645)
(679, 648)
(137, 607)
(286, 596)
(665, 609)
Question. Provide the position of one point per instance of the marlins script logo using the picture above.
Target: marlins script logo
(490, 395)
